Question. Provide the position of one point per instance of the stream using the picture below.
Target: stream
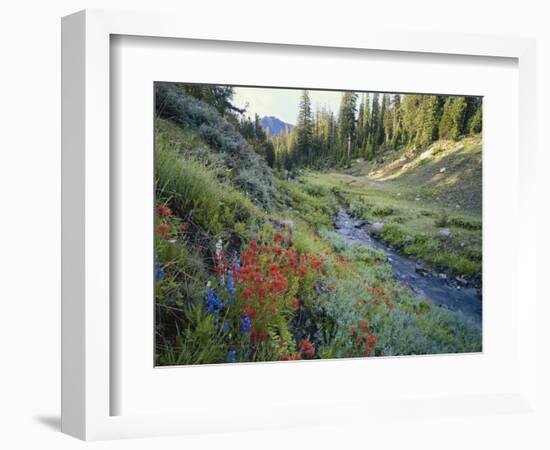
(429, 287)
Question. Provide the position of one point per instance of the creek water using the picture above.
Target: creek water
(431, 287)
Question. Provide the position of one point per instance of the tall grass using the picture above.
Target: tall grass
(194, 192)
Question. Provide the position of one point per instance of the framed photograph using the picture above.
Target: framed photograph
(303, 224)
(299, 216)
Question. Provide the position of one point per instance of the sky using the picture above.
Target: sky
(282, 103)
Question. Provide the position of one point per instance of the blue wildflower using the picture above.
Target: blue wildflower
(159, 272)
(230, 284)
(213, 302)
(246, 325)
(225, 326)
(237, 265)
(232, 356)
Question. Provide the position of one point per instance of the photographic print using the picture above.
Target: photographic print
(303, 224)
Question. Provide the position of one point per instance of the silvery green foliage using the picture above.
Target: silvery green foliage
(401, 336)
(344, 312)
(336, 240)
(438, 331)
(252, 174)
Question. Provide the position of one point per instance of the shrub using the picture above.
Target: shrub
(383, 211)
(468, 224)
(442, 219)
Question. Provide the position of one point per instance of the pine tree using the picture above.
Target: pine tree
(346, 122)
(428, 121)
(380, 125)
(304, 131)
(360, 134)
(374, 126)
(388, 119)
(410, 117)
(452, 119)
(397, 121)
(476, 124)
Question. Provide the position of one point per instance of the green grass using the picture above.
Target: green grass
(313, 202)
(195, 191)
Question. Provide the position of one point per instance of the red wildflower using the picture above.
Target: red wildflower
(295, 303)
(364, 326)
(370, 343)
(277, 238)
(247, 293)
(293, 357)
(181, 228)
(306, 348)
(274, 269)
(163, 211)
(163, 229)
(259, 335)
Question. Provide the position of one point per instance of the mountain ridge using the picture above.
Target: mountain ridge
(275, 125)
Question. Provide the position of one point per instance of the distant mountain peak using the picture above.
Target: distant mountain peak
(274, 125)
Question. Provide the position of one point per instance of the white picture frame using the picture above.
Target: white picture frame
(87, 386)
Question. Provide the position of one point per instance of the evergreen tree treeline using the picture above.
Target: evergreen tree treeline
(366, 124)
(369, 123)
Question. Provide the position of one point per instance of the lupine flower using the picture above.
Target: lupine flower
(246, 325)
(225, 326)
(213, 302)
(159, 272)
(230, 284)
(232, 356)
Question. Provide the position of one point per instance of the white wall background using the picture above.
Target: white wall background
(30, 192)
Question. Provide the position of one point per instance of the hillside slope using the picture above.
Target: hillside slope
(248, 170)
(447, 172)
